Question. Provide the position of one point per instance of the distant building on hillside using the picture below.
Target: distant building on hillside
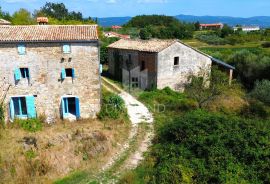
(158, 64)
(211, 26)
(4, 22)
(247, 28)
(116, 27)
(116, 35)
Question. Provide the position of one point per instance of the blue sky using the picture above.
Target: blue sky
(114, 8)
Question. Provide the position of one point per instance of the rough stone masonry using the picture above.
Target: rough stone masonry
(45, 61)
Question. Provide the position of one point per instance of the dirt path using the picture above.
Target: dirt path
(139, 140)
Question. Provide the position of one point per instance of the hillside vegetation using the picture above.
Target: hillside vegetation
(197, 144)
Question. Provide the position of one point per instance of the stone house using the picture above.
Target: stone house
(51, 71)
(148, 64)
(4, 22)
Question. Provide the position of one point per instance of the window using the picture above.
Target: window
(142, 65)
(66, 49)
(70, 107)
(21, 49)
(135, 82)
(176, 61)
(67, 72)
(22, 107)
(24, 73)
(20, 73)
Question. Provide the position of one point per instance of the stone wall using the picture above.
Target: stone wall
(45, 62)
(147, 77)
(191, 62)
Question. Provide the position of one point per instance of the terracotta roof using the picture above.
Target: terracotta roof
(142, 45)
(47, 33)
(4, 22)
(113, 34)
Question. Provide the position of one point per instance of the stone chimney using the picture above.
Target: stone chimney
(42, 20)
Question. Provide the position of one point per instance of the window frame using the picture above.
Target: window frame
(135, 82)
(143, 67)
(69, 71)
(21, 46)
(25, 73)
(21, 114)
(63, 48)
(176, 61)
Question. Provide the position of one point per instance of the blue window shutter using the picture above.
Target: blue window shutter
(100, 68)
(21, 49)
(63, 73)
(29, 76)
(17, 74)
(11, 109)
(63, 105)
(31, 107)
(73, 73)
(78, 113)
(66, 48)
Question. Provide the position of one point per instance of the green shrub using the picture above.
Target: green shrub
(211, 38)
(203, 147)
(31, 125)
(255, 109)
(113, 107)
(266, 44)
(169, 99)
(2, 115)
(261, 91)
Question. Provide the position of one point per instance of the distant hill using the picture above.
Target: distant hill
(232, 21)
(262, 21)
(110, 21)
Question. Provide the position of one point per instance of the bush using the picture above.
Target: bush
(171, 100)
(2, 115)
(203, 147)
(113, 107)
(31, 125)
(251, 66)
(211, 38)
(261, 91)
(255, 109)
(266, 44)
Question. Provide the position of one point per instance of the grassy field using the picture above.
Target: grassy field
(58, 150)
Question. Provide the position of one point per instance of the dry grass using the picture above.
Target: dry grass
(61, 148)
(231, 101)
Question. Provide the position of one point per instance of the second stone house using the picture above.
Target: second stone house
(50, 70)
(158, 64)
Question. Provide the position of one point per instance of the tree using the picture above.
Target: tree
(203, 88)
(22, 17)
(251, 67)
(145, 34)
(197, 26)
(4, 15)
(226, 31)
(55, 10)
(261, 91)
(60, 12)
(4, 88)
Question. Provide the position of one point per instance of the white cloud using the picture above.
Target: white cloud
(152, 1)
